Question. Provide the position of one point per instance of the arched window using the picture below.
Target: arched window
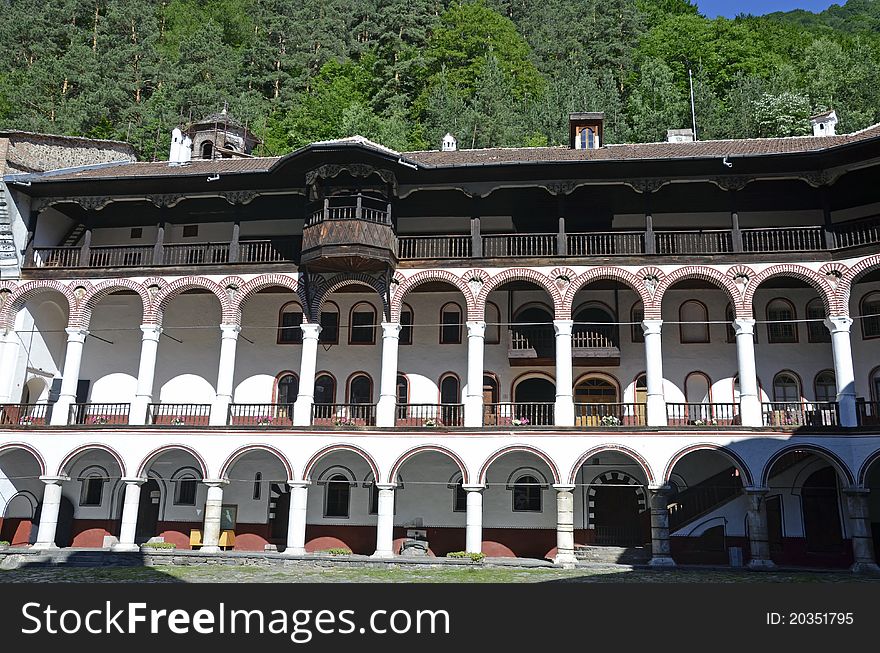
(360, 389)
(287, 390)
(207, 150)
(533, 329)
(493, 324)
(185, 486)
(329, 324)
(826, 386)
(258, 485)
(402, 389)
(362, 325)
(587, 138)
(875, 384)
(781, 318)
(449, 389)
(325, 389)
(406, 325)
(594, 328)
(694, 318)
(450, 324)
(289, 318)
(459, 497)
(641, 394)
(527, 494)
(337, 491)
(698, 388)
(92, 491)
(637, 316)
(490, 400)
(869, 308)
(786, 388)
(595, 390)
(816, 329)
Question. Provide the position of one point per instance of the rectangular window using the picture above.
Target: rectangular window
(186, 492)
(817, 331)
(450, 331)
(190, 230)
(362, 330)
(871, 319)
(781, 332)
(406, 329)
(92, 492)
(329, 328)
(290, 333)
(137, 232)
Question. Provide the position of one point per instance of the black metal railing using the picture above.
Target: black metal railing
(25, 415)
(98, 414)
(179, 414)
(796, 413)
(610, 415)
(702, 414)
(429, 415)
(260, 415)
(343, 414)
(519, 414)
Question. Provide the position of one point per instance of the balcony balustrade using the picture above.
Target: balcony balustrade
(98, 414)
(343, 414)
(429, 415)
(790, 239)
(178, 414)
(277, 415)
(702, 414)
(868, 413)
(518, 414)
(694, 242)
(792, 414)
(610, 415)
(25, 415)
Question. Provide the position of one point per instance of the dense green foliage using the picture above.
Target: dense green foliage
(404, 72)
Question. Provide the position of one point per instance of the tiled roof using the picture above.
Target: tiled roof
(162, 169)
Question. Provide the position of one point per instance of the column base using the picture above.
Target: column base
(385, 411)
(565, 560)
(292, 551)
(761, 564)
(661, 561)
(209, 549)
(383, 555)
(44, 546)
(125, 548)
(865, 568)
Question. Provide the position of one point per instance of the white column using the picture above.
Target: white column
(213, 509)
(759, 542)
(302, 409)
(654, 372)
(564, 409)
(385, 522)
(225, 373)
(8, 363)
(70, 375)
(841, 348)
(750, 411)
(387, 406)
(661, 554)
(49, 512)
(143, 395)
(130, 506)
(474, 518)
(296, 521)
(473, 403)
(860, 520)
(565, 526)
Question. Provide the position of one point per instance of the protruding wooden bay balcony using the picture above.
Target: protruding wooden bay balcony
(352, 233)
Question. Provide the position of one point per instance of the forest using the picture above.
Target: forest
(404, 72)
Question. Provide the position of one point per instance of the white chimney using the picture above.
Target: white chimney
(186, 150)
(679, 135)
(824, 123)
(176, 140)
(449, 143)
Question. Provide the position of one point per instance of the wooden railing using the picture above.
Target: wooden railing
(343, 415)
(418, 247)
(868, 413)
(260, 415)
(795, 413)
(718, 241)
(610, 415)
(700, 414)
(594, 336)
(856, 233)
(606, 243)
(787, 239)
(531, 341)
(519, 245)
(273, 250)
(56, 257)
(519, 414)
(25, 415)
(351, 207)
(179, 414)
(429, 415)
(196, 254)
(98, 414)
(114, 256)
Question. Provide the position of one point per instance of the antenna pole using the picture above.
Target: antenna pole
(693, 109)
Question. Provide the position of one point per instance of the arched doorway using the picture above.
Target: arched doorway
(596, 401)
(534, 399)
(821, 510)
(532, 330)
(616, 503)
(148, 511)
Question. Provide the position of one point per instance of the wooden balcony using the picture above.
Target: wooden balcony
(351, 233)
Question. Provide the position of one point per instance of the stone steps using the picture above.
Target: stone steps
(613, 555)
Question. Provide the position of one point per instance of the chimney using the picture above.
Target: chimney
(824, 123)
(176, 142)
(679, 135)
(186, 150)
(449, 143)
(585, 130)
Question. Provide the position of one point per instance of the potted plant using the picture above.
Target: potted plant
(264, 420)
(26, 420)
(100, 419)
(610, 420)
(344, 421)
(177, 421)
(430, 422)
(520, 421)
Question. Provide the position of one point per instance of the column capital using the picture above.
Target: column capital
(651, 327)
(310, 330)
(215, 482)
(230, 330)
(660, 488)
(855, 491)
(151, 331)
(386, 486)
(563, 487)
(473, 488)
(52, 480)
(133, 480)
(563, 327)
(744, 326)
(838, 323)
(391, 329)
(754, 489)
(76, 334)
(294, 484)
(476, 329)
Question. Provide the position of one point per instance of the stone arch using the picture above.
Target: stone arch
(410, 283)
(734, 458)
(28, 448)
(521, 274)
(310, 465)
(171, 290)
(73, 455)
(646, 468)
(96, 293)
(614, 477)
(554, 468)
(703, 273)
(150, 457)
(863, 470)
(239, 453)
(610, 273)
(849, 277)
(342, 280)
(820, 285)
(255, 285)
(395, 468)
(27, 291)
(832, 458)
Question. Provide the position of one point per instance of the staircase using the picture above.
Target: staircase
(703, 497)
(613, 555)
(72, 237)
